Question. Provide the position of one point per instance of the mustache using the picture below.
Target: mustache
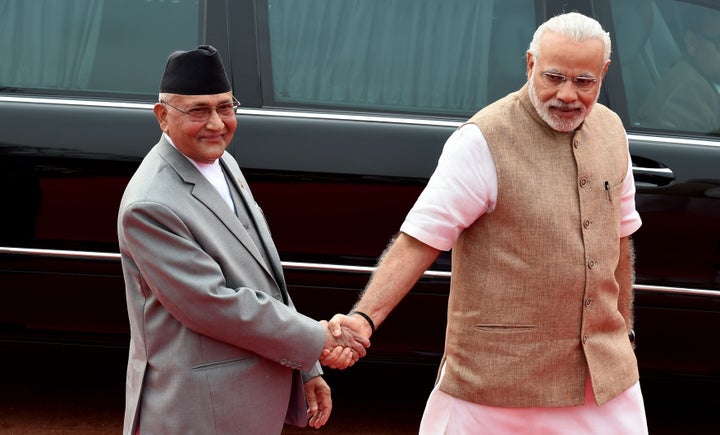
(564, 106)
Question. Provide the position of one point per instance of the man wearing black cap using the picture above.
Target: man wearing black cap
(216, 343)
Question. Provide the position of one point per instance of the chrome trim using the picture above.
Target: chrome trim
(319, 267)
(346, 117)
(244, 111)
(89, 255)
(672, 140)
(663, 172)
(347, 268)
(58, 253)
(327, 116)
(676, 290)
(73, 102)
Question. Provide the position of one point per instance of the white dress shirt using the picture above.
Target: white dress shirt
(214, 174)
(464, 187)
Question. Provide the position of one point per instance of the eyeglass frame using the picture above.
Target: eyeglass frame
(554, 78)
(206, 110)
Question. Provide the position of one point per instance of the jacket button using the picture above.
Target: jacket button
(585, 339)
(583, 182)
(588, 301)
(586, 223)
(576, 144)
(591, 264)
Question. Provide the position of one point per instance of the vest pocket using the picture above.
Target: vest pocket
(504, 327)
(611, 212)
(613, 190)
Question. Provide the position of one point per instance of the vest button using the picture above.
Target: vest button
(585, 339)
(586, 223)
(576, 144)
(591, 264)
(583, 182)
(588, 301)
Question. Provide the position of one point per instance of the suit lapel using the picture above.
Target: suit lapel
(207, 195)
(240, 185)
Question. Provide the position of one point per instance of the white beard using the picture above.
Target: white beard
(555, 122)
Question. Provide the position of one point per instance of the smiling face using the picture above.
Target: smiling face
(203, 141)
(563, 104)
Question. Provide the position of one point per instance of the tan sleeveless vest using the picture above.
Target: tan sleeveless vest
(534, 300)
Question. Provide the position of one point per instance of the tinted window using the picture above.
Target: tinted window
(669, 55)
(111, 46)
(448, 57)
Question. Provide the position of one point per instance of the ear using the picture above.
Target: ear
(604, 70)
(530, 60)
(161, 113)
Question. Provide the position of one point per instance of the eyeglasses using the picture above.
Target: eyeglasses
(203, 113)
(581, 82)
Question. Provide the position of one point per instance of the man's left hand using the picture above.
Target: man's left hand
(317, 394)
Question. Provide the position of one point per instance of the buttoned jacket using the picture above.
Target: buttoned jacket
(534, 300)
(216, 343)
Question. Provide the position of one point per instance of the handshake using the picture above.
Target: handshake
(346, 339)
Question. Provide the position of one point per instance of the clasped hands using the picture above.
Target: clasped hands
(346, 341)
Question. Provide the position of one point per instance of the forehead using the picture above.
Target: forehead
(202, 100)
(568, 55)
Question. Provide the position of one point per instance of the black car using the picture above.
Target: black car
(345, 108)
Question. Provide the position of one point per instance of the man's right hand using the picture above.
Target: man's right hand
(344, 345)
(340, 326)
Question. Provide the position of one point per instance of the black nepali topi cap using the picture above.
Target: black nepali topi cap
(195, 72)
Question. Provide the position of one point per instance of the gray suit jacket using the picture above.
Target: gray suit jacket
(215, 337)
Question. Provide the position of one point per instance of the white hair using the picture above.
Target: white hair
(572, 25)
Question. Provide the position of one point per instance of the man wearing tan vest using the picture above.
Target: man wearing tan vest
(535, 197)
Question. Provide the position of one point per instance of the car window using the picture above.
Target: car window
(669, 54)
(92, 47)
(445, 57)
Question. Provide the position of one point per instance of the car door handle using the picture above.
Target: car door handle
(653, 176)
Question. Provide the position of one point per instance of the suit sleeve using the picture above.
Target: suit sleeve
(191, 286)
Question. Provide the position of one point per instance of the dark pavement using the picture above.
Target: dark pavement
(58, 390)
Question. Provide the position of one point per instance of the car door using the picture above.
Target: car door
(675, 149)
(358, 99)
